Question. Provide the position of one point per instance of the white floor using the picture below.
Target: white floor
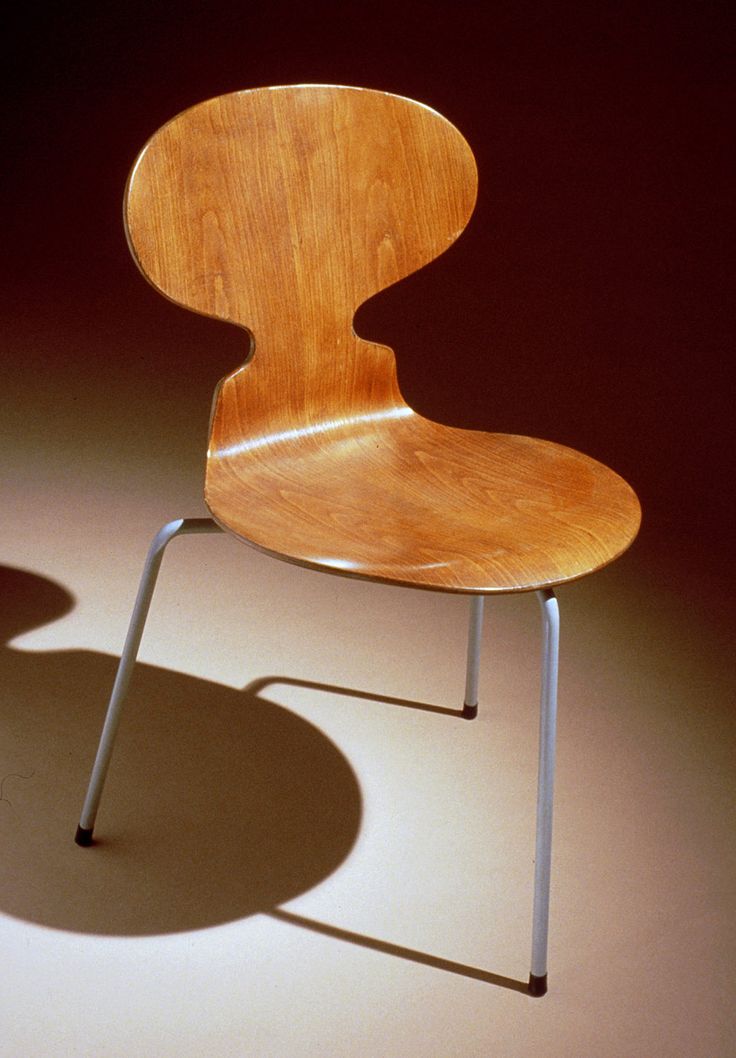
(302, 850)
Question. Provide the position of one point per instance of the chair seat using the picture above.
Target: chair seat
(393, 497)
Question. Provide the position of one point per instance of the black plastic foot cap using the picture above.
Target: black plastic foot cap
(83, 837)
(537, 985)
(470, 711)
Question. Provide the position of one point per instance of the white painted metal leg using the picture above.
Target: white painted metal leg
(547, 738)
(127, 661)
(475, 632)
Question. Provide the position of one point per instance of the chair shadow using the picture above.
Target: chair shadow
(219, 804)
(259, 685)
(360, 939)
(399, 951)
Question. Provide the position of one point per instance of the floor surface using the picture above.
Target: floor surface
(303, 850)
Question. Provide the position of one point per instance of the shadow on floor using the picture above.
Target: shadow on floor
(219, 803)
(259, 685)
(399, 951)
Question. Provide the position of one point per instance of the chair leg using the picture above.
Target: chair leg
(127, 661)
(545, 787)
(470, 707)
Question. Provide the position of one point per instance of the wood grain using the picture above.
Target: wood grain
(283, 210)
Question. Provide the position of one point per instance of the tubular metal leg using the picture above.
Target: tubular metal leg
(470, 708)
(547, 735)
(127, 661)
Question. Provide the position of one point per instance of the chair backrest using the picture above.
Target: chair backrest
(282, 210)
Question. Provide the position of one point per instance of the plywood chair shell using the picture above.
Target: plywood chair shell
(282, 210)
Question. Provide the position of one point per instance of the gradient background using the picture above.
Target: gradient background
(586, 303)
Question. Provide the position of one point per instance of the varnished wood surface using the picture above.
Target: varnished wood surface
(282, 210)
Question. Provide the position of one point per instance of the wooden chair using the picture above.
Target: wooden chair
(282, 210)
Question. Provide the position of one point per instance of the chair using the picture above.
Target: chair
(282, 210)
